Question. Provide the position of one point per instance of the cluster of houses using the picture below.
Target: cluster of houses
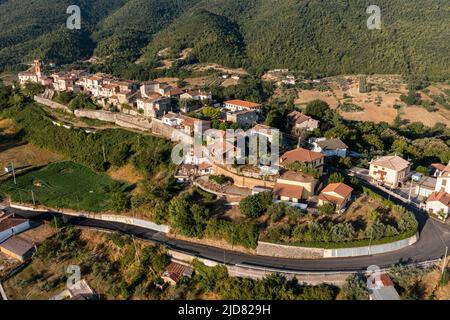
(153, 100)
(432, 190)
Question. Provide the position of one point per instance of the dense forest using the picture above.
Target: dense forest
(329, 37)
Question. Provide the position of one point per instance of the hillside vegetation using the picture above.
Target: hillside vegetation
(329, 37)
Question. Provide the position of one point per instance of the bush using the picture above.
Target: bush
(236, 233)
(355, 289)
(336, 178)
(221, 180)
(327, 208)
(255, 205)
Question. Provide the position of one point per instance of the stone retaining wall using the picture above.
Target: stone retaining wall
(243, 182)
(52, 104)
(295, 252)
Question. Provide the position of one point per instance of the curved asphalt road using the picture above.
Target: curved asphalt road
(434, 237)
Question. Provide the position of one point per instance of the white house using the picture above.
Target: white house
(390, 170)
(241, 105)
(11, 226)
(331, 147)
(439, 202)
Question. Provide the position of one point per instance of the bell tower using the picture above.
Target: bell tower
(37, 67)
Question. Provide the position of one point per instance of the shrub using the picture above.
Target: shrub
(355, 289)
(336, 177)
(327, 208)
(255, 205)
(221, 180)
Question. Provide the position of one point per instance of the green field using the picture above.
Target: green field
(64, 185)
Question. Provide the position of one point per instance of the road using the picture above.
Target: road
(433, 240)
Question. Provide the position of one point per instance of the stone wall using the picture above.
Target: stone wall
(240, 181)
(52, 104)
(96, 114)
(292, 252)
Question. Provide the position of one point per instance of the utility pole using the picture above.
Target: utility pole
(136, 250)
(410, 190)
(104, 155)
(370, 242)
(445, 260)
(13, 172)
(32, 197)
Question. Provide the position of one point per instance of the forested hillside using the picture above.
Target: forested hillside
(312, 35)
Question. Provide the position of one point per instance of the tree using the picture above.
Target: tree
(355, 289)
(255, 205)
(317, 109)
(336, 177)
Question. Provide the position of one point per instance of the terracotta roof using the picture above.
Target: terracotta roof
(176, 271)
(170, 115)
(175, 92)
(204, 165)
(264, 128)
(391, 162)
(332, 144)
(287, 190)
(244, 104)
(298, 117)
(341, 189)
(11, 223)
(17, 245)
(438, 166)
(441, 196)
(300, 155)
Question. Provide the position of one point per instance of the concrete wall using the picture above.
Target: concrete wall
(294, 252)
(8, 233)
(104, 217)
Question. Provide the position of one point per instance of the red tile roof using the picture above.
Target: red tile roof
(343, 190)
(298, 117)
(175, 271)
(287, 190)
(441, 196)
(300, 155)
(244, 104)
(340, 188)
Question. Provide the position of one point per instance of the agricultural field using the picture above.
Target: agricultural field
(22, 154)
(377, 105)
(64, 185)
